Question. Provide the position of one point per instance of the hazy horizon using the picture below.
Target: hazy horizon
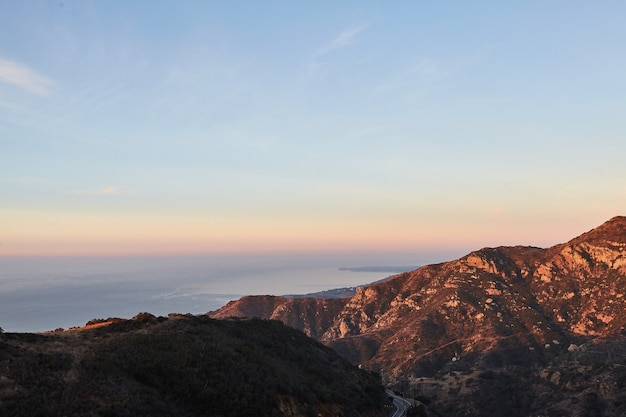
(40, 293)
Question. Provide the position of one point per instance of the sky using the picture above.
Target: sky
(210, 127)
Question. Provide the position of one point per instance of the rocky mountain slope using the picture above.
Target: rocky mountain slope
(181, 366)
(496, 307)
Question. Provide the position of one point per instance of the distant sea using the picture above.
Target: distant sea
(45, 293)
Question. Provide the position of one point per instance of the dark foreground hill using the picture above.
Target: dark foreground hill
(526, 331)
(182, 366)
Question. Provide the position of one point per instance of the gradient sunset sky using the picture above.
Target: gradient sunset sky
(206, 126)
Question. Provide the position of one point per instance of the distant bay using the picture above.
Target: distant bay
(45, 293)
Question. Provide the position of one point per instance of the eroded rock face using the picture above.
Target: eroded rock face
(582, 283)
(524, 300)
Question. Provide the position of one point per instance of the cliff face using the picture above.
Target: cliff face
(501, 305)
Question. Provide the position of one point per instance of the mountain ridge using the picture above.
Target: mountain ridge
(486, 301)
(520, 331)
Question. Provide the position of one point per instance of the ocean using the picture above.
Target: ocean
(45, 293)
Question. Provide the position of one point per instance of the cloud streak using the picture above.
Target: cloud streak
(24, 77)
(345, 38)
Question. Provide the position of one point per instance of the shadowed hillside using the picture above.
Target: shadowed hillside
(185, 366)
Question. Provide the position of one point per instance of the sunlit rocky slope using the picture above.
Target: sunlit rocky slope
(496, 307)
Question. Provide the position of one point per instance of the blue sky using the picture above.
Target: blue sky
(270, 126)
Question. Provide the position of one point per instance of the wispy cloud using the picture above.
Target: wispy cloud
(24, 77)
(344, 39)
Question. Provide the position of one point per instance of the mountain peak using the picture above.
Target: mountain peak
(611, 232)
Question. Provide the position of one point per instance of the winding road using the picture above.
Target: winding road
(400, 403)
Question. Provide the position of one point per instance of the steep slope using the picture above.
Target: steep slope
(470, 309)
(186, 366)
(498, 306)
(310, 315)
(582, 282)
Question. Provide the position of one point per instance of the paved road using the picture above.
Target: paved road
(400, 403)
